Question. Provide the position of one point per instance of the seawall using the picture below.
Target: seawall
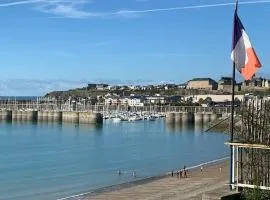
(52, 116)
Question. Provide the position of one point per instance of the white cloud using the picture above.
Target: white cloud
(128, 12)
(76, 8)
(61, 8)
(69, 11)
(67, 8)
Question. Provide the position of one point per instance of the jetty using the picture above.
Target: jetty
(54, 111)
(75, 112)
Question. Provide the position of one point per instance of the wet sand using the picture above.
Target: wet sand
(212, 179)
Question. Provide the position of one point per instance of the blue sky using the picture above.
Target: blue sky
(57, 44)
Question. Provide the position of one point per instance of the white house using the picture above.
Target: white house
(215, 97)
(135, 102)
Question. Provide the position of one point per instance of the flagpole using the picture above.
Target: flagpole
(232, 116)
(232, 131)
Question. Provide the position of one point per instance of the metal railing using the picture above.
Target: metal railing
(34, 106)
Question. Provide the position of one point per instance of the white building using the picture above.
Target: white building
(135, 102)
(123, 101)
(155, 100)
(215, 97)
(111, 100)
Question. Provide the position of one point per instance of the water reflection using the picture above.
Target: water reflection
(198, 127)
(184, 127)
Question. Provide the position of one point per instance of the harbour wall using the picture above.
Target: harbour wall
(52, 116)
(198, 118)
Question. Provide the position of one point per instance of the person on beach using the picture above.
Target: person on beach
(119, 172)
(181, 173)
(177, 173)
(134, 174)
(185, 173)
(201, 168)
(172, 173)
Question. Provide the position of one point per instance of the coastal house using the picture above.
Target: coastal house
(101, 86)
(111, 100)
(134, 87)
(170, 86)
(111, 95)
(155, 100)
(135, 101)
(182, 86)
(216, 98)
(174, 99)
(91, 86)
(130, 101)
(256, 83)
(124, 87)
(147, 87)
(97, 86)
(113, 87)
(202, 83)
(225, 84)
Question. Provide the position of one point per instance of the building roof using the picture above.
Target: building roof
(226, 78)
(202, 79)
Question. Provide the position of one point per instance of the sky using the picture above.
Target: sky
(50, 45)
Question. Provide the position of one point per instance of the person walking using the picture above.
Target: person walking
(134, 174)
(185, 173)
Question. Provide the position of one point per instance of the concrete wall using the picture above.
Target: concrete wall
(46, 116)
(190, 118)
(72, 117)
(90, 118)
(57, 116)
(5, 115)
(170, 118)
(198, 118)
(178, 118)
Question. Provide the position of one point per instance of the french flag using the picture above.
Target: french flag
(243, 54)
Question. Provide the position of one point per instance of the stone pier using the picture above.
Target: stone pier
(90, 118)
(52, 116)
(190, 118)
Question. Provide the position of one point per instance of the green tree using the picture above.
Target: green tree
(201, 101)
(208, 100)
(93, 100)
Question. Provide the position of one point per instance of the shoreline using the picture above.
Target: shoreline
(142, 181)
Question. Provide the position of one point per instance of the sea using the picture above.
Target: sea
(50, 161)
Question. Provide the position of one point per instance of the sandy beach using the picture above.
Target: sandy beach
(212, 179)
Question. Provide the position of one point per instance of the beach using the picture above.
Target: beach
(211, 179)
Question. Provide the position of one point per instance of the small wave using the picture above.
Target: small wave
(154, 177)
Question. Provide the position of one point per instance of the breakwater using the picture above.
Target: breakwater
(52, 116)
(198, 118)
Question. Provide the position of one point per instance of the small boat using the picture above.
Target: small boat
(117, 119)
(134, 118)
(106, 117)
(152, 118)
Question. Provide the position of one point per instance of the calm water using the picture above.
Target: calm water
(50, 161)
